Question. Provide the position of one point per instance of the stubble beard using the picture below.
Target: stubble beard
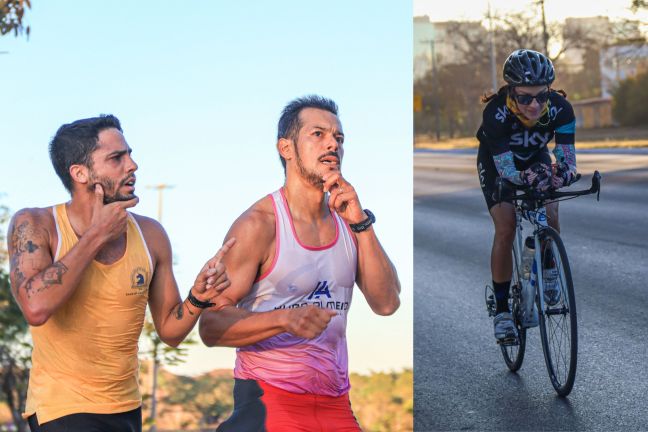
(110, 191)
(311, 177)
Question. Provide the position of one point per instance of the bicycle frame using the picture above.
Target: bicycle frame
(538, 219)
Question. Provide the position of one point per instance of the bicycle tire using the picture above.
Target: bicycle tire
(514, 354)
(558, 323)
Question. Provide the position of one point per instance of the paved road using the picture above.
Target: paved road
(461, 382)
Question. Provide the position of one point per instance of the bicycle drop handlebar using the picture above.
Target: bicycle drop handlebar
(506, 191)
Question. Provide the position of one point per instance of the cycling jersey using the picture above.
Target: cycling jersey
(505, 137)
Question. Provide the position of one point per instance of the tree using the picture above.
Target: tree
(466, 74)
(629, 103)
(11, 16)
(15, 350)
(161, 354)
(208, 397)
(639, 4)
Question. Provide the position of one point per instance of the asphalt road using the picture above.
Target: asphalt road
(461, 381)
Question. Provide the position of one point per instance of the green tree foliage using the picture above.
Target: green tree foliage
(639, 4)
(629, 106)
(208, 397)
(160, 354)
(12, 13)
(384, 402)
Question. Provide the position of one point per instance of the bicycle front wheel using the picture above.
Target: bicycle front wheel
(558, 326)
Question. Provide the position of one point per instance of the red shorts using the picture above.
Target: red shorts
(259, 406)
(287, 412)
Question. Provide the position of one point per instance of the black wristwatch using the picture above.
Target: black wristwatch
(198, 303)
(362, 226)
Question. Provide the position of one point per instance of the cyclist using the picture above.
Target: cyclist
(518, 123)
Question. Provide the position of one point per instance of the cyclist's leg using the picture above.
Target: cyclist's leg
(503, 216)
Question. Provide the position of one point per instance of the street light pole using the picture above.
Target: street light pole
(492, 49)
(160, 188)
(156, 362)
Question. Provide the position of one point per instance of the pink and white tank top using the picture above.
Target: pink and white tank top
(303, 275)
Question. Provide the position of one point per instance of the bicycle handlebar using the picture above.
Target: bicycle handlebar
(505, 190)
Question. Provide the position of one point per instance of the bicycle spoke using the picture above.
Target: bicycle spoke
(557, 321)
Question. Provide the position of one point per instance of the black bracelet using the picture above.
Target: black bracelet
(362, 226)
(198, 303)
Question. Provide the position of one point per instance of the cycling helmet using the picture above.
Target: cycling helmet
(528, 68)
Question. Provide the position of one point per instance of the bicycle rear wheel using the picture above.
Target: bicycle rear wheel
(558, 326)
(514, 354)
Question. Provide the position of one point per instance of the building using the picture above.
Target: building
(423, 34)
(593, 113)
(620, 62)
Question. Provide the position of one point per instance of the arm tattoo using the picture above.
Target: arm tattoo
(22, 247)
(179, 311)
(52, 275)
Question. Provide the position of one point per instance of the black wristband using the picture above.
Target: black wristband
(362, 226)
(198, 303)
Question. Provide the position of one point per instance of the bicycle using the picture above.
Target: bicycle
(557, 321)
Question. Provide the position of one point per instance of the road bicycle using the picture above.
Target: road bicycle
(556, 317)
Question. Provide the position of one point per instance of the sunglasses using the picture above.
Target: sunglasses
(526, 99)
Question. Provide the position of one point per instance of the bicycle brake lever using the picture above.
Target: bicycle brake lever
(596, 184)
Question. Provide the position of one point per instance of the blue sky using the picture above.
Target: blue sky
(198, 87)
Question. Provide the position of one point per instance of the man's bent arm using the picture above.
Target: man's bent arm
(376, 275)
(39, 285)
(225, 324)
(235, 327)
(173, 318)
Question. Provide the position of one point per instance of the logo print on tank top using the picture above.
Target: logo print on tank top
(320, 290)
(138, 281)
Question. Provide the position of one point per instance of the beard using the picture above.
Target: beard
(111, 193)
(310, 176)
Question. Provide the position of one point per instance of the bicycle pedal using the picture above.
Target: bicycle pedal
(512, 341)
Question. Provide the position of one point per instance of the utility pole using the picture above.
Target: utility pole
(156, 344)
(545, 35)
(492, 49)
(435, 93)
(160, 188)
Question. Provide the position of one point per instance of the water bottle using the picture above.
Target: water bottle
(528, 253)
(529, 310)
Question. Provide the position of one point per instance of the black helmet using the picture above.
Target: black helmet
(528, 68)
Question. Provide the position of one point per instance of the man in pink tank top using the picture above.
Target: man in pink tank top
(83, 272)
(300, 251)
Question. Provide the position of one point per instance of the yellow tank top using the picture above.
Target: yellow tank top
(85, 356)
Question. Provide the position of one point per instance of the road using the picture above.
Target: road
(461, 382)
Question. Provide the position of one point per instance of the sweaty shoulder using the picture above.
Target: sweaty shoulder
(257, 223)
(149, 226)
(155, 236)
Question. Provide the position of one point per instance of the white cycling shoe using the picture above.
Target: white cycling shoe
(551, 286)
(505, 331)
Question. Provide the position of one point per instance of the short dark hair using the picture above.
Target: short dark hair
(289, 123)
(74, 143)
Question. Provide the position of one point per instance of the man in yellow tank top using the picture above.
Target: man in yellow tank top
(83, 272)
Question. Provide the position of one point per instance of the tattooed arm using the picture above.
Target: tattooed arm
(40, 285)
(174, 318)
